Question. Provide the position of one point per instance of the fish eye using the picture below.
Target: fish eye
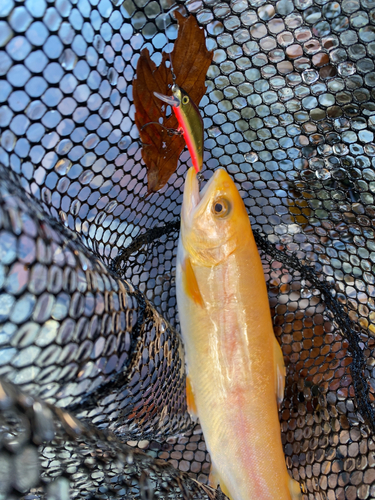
(221, 207)
(185, 99)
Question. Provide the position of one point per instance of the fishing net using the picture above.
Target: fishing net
(92, 394)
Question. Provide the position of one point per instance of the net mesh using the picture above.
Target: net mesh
(89, 325)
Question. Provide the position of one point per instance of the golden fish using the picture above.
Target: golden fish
(235, 365)
(190, 122)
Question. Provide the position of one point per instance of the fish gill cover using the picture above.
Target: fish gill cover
(89, 355)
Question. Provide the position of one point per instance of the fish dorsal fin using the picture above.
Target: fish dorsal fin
(190, 282)
(190, 400)
(280, 371)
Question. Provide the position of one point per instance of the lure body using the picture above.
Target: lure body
(189, 120)
(235, 365)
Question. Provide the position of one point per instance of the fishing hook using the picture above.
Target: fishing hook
(170, 131)
(165, 31)
(200, 179)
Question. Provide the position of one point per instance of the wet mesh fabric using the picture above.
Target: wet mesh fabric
(92, 393)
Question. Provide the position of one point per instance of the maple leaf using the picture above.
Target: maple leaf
(190, 59)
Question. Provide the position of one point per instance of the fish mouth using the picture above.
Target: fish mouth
(193, 199)
(171, 100)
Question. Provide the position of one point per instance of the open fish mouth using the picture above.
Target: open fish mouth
(193, 198)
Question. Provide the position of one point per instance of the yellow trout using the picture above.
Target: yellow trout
(235, 365)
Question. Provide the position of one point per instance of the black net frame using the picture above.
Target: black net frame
(88, 314)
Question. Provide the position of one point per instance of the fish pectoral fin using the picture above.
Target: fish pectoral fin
(280, 372)
(214, 480)
(294, 489)
(190, 400)
(190, 282)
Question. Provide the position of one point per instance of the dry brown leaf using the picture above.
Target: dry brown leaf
(190, 59)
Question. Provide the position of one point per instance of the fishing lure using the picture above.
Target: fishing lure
(235, 365)
(189, 120)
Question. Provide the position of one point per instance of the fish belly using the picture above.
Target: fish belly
(229, 354)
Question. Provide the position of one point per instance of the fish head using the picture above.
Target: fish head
(179, 97)
(214, 222)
